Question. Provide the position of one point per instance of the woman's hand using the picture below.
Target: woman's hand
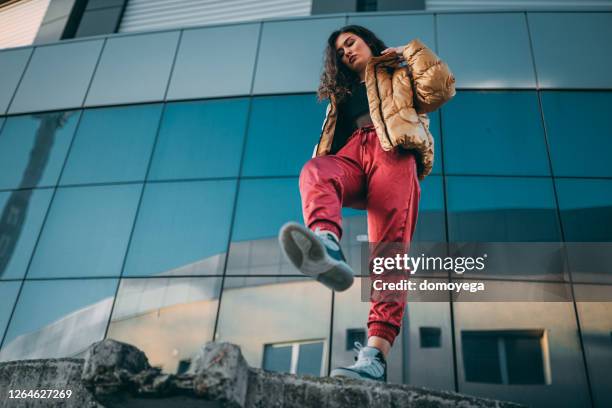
(395, 50)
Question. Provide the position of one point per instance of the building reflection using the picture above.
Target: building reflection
(16, 208)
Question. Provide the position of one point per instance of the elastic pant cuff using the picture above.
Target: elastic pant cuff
(384, 330)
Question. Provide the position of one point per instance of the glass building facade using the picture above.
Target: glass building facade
(144, 177)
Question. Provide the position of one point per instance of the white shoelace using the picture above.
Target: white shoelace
(367, 363)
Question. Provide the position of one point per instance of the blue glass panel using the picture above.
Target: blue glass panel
(283, 131)
(22, 213)
(86, 232)
(486, 50)
(579, 129)
(434, 128)
(58, 318)
(399, 30)
(112, 145)
(498, 133)
(501, 209)
(430, 222)
(8, 295)
(200, 139)
(586, 209)
(264, 206)
(290, 54)
(57, 77)
(169, 319)
(587, 35)
(194, 76)
(12, 64)
(33, 148)
(182, 229)
(133, 68)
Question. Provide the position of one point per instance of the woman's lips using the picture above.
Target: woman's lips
(352, 58)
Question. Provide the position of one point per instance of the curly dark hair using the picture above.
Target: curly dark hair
(337, 79)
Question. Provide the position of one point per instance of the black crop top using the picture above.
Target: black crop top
(350, 109)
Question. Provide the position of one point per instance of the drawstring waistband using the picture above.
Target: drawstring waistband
(363, 131)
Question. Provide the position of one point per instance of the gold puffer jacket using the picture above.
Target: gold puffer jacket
(400, 96)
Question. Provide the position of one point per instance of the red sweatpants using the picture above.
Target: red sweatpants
(364, 176)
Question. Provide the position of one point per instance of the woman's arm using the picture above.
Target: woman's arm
(433, 82)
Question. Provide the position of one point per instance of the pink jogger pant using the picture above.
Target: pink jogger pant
(364, 176)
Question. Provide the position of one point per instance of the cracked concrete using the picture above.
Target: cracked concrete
(118, 375)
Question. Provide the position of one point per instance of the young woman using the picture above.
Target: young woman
(374, 148)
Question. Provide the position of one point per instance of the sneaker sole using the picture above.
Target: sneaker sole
(304, 250)
(341, 372)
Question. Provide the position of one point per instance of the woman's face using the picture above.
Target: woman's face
(354, 51)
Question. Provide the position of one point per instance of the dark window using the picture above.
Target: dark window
(504, 357)
(367, 5)
(480, 358)
(183, 366)
(353, 335)
(430, 337)
(525, 360)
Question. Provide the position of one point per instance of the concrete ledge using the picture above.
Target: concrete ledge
(115, 374)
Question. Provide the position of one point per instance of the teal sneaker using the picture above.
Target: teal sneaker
(370, 365)
(316, 254)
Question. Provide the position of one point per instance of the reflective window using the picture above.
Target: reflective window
(501, 209)
(134, 68)
(200, 139)
(33, 148)
(486, 50)
(579, 129)
(283, 131)
(562, 362)
(264, 206)
(496, 133)
(8, 295)
(182, 229)
(250, 317)
(262, 209)
(559, 69)
(21, 216)
(58, 318)
(385, 27)
(86, 232)
(290, 54)
(57, 77)
(586, 209)
(112, 145)
(194, 76)
(12, 64)
(408, 362)
(169, 319)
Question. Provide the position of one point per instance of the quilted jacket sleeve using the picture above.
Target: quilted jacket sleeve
(434, 83)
